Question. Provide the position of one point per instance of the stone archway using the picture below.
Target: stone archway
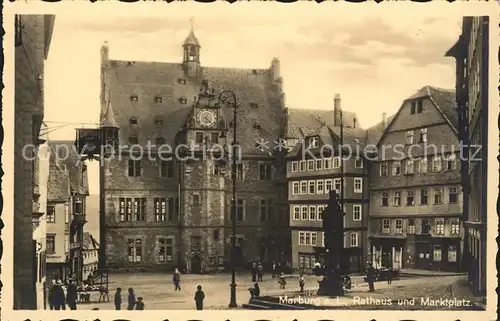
(195, 264)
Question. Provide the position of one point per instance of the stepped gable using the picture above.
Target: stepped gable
(148, 80)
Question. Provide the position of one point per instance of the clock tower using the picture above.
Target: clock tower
(206, 124)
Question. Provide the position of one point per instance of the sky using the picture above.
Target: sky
(373, 61)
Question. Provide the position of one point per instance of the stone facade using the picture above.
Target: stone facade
(32, 39)
(471, 54)
(161, 214)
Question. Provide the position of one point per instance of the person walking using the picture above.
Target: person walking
(71, 295)
(139, 305)
(131, 299)
(370, 276)
(58, 296)
(51, 294)
(254, 272)
(177, 279)
(260, 272)
(199, 296)
(302, 282)
(274, 270)
(390, 275)
(282, 280)
(118, 299)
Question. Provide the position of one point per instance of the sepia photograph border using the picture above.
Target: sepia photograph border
(474, 8)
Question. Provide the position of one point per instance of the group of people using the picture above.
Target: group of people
(62, 295)
(138, 304)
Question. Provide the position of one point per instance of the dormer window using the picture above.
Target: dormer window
(183, 100)
(134, 98)
(158, 122)
(314, 142)
(133, 140)
(133, 120)
(254, 105)
(159, 99)
(182, 81)
(416, 106)
(423, 135)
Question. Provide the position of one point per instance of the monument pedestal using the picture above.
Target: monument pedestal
(331, 286)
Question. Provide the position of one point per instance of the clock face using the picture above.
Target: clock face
(206, 118)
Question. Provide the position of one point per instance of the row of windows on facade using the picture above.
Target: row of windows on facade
(419, 165)
(321, 186)
(322, 164)
(311, 239)
(200, 138)
(313, 142)
(167, 209)
(424, 197)
(182, 100)
(78, 209)
(166, 169)
(436, 250)
(439, 226)
(315, 212)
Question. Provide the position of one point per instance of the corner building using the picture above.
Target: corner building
(172, 212)
(471, 54)
(32, 37)
(313, 169)
(415, 199)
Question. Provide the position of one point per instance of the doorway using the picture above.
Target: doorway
(195, 264)
(423, 256)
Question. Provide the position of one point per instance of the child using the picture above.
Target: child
(255, 291)
(282, 280)
(131, 299)
(118, 299)
(140, 304)
(302, 282)
(198, 298)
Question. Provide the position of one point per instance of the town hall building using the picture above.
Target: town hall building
(163, 212)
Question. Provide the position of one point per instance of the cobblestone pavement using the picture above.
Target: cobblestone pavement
(158, 291)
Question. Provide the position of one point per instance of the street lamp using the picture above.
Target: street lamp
(229, 97)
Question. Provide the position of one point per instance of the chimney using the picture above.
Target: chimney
(104, 53)
(275, 69)
(336, 110)
(384, 120)
(354, 122)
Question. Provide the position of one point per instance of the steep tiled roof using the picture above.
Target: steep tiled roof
(374, 133)
(191, 39)
(148, 80)
(89, 242)
(58, 185)
(320, 122)
(69, 162)
(444, 100)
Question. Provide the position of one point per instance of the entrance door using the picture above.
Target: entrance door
(387, 258)
(195, 264)
(423, 256)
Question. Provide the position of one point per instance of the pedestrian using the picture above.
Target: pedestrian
(282, 280)
(177, 279)
(390, 275)
(370, 276)
(255, 291)
(139, 305)
(260, 271)
(199, 296)
(58, 296)
(302, 282)
(254, 272)
(71, 295)
(118, 299)
(51, 294)
(131, 299)
(274, 270)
